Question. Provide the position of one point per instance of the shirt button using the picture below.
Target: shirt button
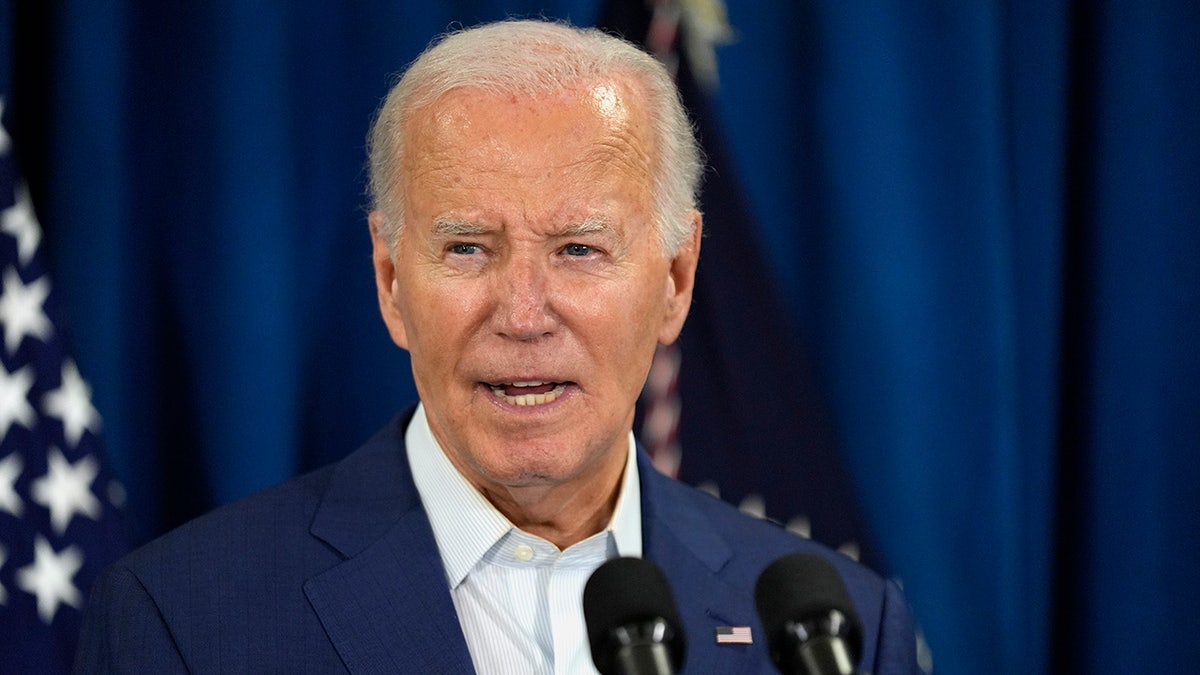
(523, 553)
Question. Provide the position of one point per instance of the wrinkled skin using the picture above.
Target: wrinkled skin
(528, 255)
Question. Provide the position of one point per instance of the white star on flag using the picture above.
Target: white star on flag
(10, 470)
(19, 221)
(72, 403)
(21, 309)
(49, 558)
(14, 399)
(66, 489)
(51, 578)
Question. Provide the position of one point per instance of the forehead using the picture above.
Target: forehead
(596, 131)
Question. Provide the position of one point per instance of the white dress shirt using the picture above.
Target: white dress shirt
(519, 599)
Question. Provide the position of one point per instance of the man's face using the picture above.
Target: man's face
(528, 283)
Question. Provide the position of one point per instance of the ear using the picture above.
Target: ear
(680, 282)
(387, 285)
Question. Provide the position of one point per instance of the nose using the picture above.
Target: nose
(523, 307)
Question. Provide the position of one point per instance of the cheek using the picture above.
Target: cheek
(644, 304)
(624, 322)
(422, 319)
(434, 310)
(448, 329)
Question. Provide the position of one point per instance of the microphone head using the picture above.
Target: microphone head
(802, 597)
(626, 593)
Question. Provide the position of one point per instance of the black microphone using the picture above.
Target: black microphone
(810, 623)
(632, 622)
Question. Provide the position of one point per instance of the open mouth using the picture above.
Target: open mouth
(529, 393)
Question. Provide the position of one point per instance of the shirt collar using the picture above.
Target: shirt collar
(466, 525)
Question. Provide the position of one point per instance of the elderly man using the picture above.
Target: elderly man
(535, 237)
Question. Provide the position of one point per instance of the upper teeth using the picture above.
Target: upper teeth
(530, 399)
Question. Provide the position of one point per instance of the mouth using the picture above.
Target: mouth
(528, 393)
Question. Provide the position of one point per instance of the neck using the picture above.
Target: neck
(563, 512)
(564, 515)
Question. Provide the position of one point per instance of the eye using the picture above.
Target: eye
(464, 249)
(577, 250)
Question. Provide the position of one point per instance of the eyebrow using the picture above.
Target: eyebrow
(589, 226)
(454, 227)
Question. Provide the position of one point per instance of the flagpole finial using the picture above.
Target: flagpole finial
(705, 26)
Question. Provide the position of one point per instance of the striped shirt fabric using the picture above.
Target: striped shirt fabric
(519, 599)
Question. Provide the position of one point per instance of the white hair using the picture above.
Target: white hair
(528, 58)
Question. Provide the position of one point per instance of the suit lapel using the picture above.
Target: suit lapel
(387, 606)
(693, 554)
(388, 609)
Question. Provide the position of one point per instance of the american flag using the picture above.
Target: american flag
(735, 406)
(734, 635)
(59, 525)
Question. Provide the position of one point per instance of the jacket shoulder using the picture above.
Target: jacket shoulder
(225, 591)
(238, 534)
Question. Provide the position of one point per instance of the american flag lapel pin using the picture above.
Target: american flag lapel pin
(734, 635)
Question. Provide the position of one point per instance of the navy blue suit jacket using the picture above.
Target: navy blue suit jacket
(338, 571)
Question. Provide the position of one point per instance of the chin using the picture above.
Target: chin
(534, 471)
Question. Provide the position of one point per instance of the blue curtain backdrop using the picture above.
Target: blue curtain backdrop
(983, 220)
